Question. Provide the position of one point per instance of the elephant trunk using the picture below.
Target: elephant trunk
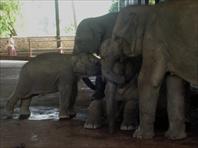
(111, 105)
(109, 74)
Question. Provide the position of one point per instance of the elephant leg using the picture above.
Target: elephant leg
(72, 99)
(24, 110)
(149, 82)
(111, 105)
(130, 115)
(9, 109)
(95, 114)
(66, 101)
(176, 108)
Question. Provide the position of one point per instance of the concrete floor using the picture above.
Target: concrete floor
(44, 130)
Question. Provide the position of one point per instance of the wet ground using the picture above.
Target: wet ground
(44, 130)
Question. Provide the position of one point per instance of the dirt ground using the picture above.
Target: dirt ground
(44, 130)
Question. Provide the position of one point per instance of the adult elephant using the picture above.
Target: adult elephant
(90, 34)
(166, 37)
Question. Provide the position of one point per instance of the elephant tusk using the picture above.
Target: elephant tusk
(96, 56)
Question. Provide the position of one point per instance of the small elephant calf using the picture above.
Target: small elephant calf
(125, 96)
(48, 73)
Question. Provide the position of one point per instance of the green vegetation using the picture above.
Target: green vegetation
(70, 29)
(152, 2)
(8, 12)
(114, 6)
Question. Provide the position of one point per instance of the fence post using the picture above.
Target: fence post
(30, 50)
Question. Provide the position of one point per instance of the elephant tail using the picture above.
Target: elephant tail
(89, 83)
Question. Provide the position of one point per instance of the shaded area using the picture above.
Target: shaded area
(44, 130)
(48, 133)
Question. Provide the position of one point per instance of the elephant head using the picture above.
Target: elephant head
(118, 69)
(87, 39)
(86, 65)
(126, 41)
(110, 54)
(91, 32)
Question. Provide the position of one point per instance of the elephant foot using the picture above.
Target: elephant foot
(175, 134)
(24, 116)
(95, 115)
(129, 123)
(128, 127)
(24, 113)
(140, 134)
(92, 125)
(8, 112)
(66, 116)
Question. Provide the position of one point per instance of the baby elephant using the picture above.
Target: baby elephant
(126, 100)
(49, 73)
(125, 96)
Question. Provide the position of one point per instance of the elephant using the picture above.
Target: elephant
(90, 34)
(126, 98)
(48, 73)
(127, 95)
(165, 35)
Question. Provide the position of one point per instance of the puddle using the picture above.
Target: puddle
(12, 63)
(49, 113)
(43, 113)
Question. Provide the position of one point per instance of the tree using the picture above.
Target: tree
(71, 29)
(152, 2)
(114, 6)
(8, 12)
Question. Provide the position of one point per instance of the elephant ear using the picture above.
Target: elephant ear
(87, 38)
(130, 29)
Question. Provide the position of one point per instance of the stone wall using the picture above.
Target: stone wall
(24, 43)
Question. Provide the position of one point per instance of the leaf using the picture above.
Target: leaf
(8, 11)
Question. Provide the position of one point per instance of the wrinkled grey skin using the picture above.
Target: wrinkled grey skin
(167, 43)
(125, 96)
(90, 34)
(126, 99)
(48, 73)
